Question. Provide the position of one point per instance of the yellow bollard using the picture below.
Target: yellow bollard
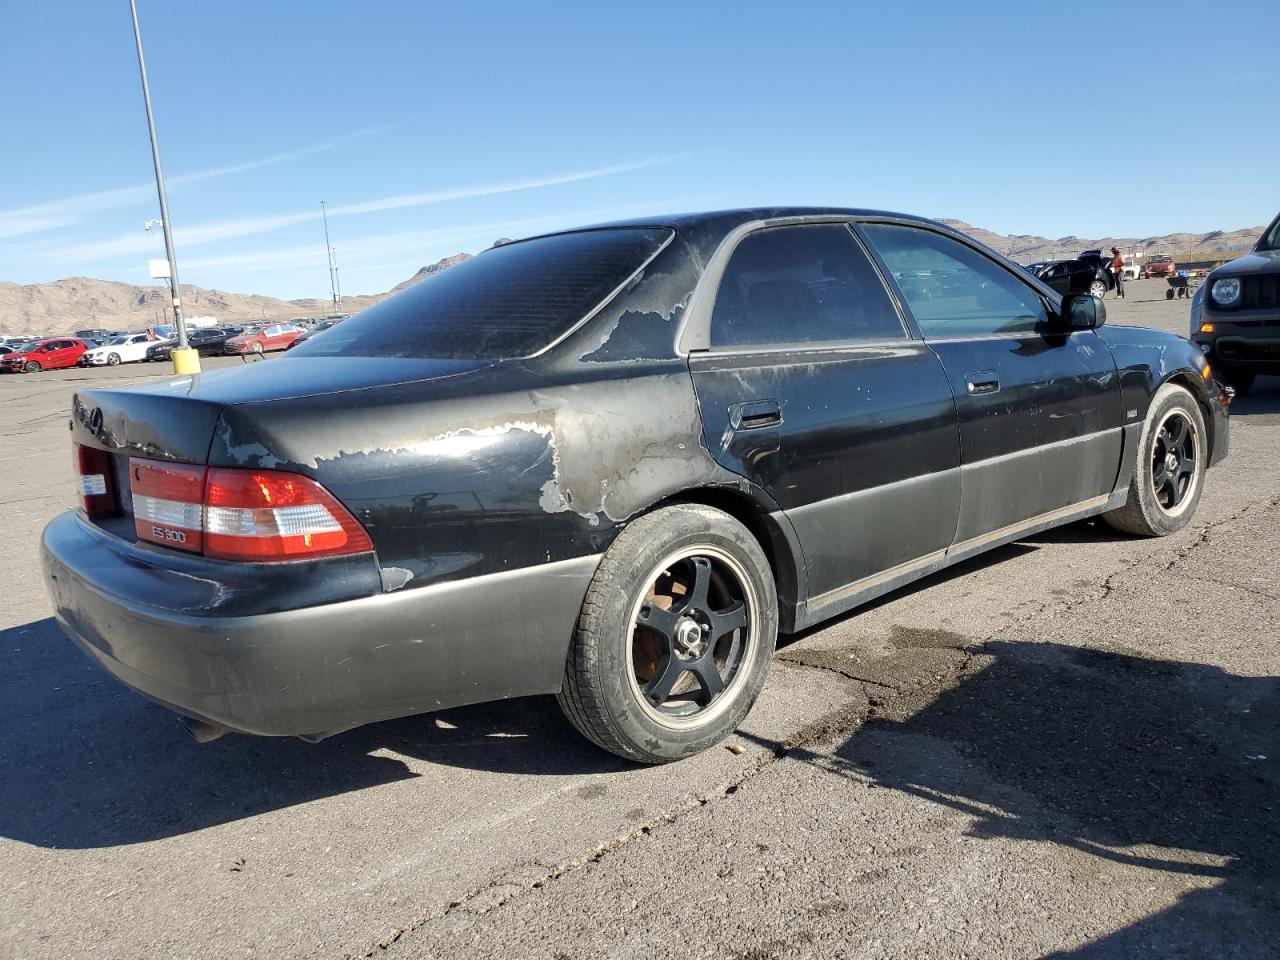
(185, 361)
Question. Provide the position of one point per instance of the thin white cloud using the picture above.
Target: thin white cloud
(185, 237)
(370, 253)
(40, 217)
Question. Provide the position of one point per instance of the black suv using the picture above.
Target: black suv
(1235, 314)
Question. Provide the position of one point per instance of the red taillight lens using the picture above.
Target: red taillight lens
(270, 515)
(229, 514)
(93, 478)
(168, 503)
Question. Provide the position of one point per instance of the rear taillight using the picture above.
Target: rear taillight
(231, 514)
(93, 477)
(270, 515)
(168, 503)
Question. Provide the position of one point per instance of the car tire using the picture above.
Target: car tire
(1169, 475)
(643, 667)
(113, 359)
(258, 349)
(31, 366)
(1098, 288)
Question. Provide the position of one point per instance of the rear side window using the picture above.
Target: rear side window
(510, 301)
(801, 284)
(953, 290)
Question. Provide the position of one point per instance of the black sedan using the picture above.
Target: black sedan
(610, 464)
(206, 341)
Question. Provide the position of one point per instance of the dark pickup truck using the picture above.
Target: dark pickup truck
(1235, 314)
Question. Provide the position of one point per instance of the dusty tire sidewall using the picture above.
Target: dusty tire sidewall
(1170, 398)
(687, 528)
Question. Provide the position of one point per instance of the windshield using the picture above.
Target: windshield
(1271, 237)
(115, 341)
(510, 301)
(29, 347)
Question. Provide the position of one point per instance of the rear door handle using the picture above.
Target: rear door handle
(755, 414)
(984, 381)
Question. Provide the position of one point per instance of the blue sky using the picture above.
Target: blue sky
(433, 128)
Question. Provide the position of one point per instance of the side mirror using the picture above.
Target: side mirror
(1082, 311)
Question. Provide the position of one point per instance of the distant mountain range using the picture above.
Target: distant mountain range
(81, 302)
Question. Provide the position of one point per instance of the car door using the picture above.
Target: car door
(62, 353)
(1039, 406)
(811, 386)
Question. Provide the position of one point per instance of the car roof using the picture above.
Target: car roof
(722, 222)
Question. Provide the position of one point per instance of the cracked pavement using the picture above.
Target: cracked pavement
(1053, 750)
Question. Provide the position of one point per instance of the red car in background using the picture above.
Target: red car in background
(1161, 265)
(44, 355)
(260, 340)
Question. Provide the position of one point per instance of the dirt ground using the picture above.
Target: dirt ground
(1065, 748)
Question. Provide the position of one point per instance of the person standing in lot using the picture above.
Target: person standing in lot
(1117, 269)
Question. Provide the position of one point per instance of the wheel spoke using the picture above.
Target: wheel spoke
(708, 674)
(1172, 487)
(731, 618)
(660, 687)
(1175, 433)
(696, 599)
(664, 621)
(1158, 473)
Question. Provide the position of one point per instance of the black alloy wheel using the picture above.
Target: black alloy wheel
(691, 636)
(675, 636)
(1174, 456)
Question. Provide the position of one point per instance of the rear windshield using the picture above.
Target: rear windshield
(510, 301)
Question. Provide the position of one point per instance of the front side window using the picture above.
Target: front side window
(510, 301)
(801, 284)
(953, 290)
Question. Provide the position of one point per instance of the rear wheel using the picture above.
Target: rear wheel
(675, 636)
(1098, 288)
(31, 366)
(1168, 478)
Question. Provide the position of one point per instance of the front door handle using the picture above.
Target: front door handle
(755, 414)
(982, 382)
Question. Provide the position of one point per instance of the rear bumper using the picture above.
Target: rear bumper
(317, 670)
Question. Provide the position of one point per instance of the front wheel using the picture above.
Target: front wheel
(675, 636)
(1168, 478)
(113, 360)
(31, 366)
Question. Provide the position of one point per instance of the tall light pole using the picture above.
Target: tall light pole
(333, 266)
(185, 360)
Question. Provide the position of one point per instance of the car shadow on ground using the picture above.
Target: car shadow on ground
(1149, 763)
(84, 762)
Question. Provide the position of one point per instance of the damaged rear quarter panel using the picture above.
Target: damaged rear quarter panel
(504, 468)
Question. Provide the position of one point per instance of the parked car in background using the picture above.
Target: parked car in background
(610, 464)
(275, 336)
(1078, 276)
(1161, 265)
(129, 348)
(1235, 313)
(99, 334)
(318, 326)
(40, 355)
(207, 342)
(1132, 270)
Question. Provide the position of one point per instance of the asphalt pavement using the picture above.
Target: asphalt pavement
(1065, 748)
